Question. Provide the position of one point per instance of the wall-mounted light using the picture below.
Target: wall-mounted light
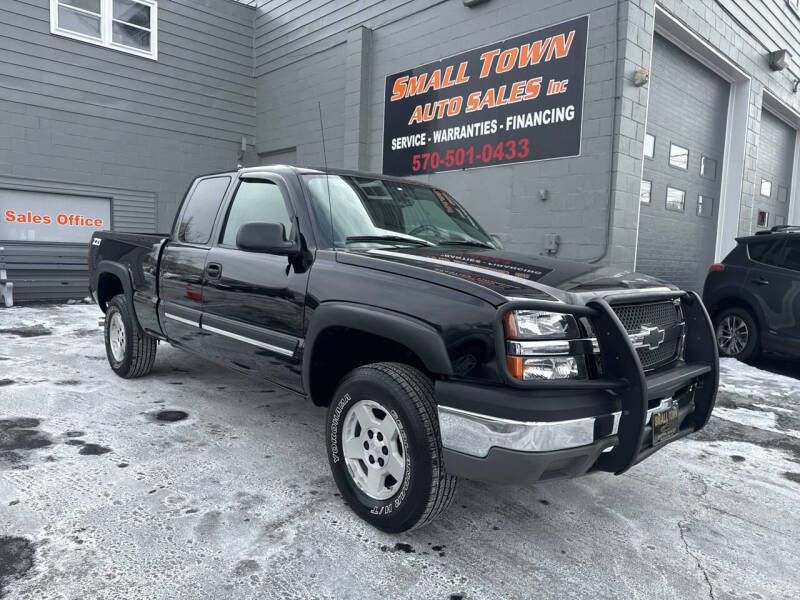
(640, 77)
(779, 59)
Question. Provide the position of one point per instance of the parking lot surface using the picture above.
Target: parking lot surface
(196, 482)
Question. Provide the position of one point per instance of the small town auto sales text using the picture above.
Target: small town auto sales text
(492, 61)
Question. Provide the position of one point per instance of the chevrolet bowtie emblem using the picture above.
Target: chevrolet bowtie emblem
(649, 336)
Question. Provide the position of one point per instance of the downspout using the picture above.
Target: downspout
(614, 132)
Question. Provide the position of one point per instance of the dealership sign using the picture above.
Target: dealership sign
(513, 101)
(45, 217)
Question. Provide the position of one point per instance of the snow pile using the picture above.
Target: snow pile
(758, 398)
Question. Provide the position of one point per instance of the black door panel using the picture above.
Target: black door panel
(183, 263)
(258, 297)
(778, 297)
(774, 281)
(257, 289)
(181, 294)
(272, 341)
(253, 302)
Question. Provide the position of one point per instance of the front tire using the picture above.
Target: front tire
(130, 351)
(384, 447)
(736, 333)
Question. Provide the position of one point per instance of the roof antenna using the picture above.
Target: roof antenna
(327, 176)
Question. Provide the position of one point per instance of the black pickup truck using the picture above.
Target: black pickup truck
(437, 354)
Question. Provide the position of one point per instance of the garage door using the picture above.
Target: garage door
(774, 171)
(682, 167)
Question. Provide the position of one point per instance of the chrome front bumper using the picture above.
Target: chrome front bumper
(475, 434)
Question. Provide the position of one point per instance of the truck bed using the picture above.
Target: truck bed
(132, 258)
(135, 238)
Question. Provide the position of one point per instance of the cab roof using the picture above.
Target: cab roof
(330, 171)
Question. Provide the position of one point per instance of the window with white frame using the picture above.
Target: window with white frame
(125, 25)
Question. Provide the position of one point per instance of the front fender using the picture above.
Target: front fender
(416, 335)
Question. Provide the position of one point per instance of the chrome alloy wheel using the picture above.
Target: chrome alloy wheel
(732, 335)
(373, 450)
(116, 337)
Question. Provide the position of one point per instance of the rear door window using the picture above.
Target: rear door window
(767, 252)
(201, 209)
(792, 258)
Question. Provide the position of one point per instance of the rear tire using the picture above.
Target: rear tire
(384, 447)
(736, 333)
(130, 351)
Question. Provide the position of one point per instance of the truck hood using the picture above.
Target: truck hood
(510, 274)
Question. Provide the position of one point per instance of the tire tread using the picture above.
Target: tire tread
(418, 388)
(143, 346)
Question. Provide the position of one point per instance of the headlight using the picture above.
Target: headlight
(540, 324)
(538, 348)
(539, 368)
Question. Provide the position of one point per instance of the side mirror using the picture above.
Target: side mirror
(269, 238)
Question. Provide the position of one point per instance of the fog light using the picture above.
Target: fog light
(550, 367)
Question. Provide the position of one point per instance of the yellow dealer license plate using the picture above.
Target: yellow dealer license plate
(665, 424)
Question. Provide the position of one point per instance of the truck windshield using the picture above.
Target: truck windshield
(362, 211)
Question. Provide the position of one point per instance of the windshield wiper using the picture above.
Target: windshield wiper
(388, 238)
(475, 243)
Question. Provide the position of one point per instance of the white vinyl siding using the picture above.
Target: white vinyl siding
(125, 25)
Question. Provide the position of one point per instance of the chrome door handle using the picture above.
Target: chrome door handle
(760, 281)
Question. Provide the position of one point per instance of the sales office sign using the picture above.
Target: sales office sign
(513, 101)
(44, 217)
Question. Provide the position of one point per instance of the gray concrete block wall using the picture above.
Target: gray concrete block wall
(506, 198)
(615, 112)
(635, 35)
(80, 114)
(359, 52)
(404, 35)
(288, 109)
(76, 113)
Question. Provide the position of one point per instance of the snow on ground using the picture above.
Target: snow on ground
(101, 499)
